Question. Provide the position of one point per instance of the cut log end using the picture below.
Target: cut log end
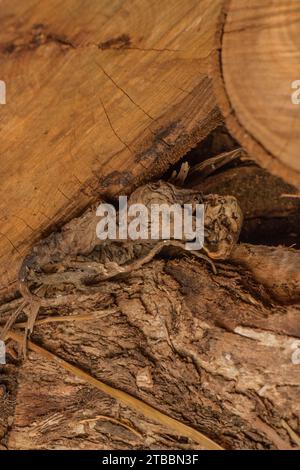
(258, 63)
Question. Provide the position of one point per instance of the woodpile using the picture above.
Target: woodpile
(179, 100)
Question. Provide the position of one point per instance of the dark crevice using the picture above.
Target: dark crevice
(268, 218)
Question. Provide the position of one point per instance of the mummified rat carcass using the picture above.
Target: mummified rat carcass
(77, 256)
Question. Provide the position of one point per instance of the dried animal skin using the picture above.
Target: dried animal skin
(75, 255)
(223, 217)
(223, 221)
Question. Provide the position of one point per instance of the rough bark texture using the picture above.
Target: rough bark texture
(218, 352)
(209, 350)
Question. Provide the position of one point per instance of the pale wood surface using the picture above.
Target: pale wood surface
(259, 60)
(104, 94)
(99, 94)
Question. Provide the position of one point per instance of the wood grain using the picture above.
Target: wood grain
(258, 60)
(100, 95)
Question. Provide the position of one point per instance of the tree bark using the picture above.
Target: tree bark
(218, 353)
(210, 351)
